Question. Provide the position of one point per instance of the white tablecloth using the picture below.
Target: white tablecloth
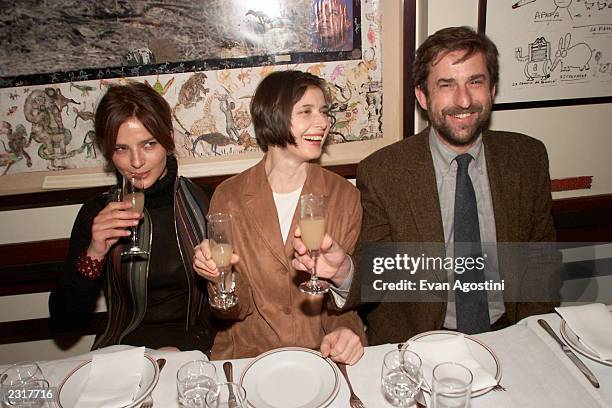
(535, 372)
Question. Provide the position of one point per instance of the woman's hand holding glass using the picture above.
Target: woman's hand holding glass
(133, 193)
(218, 248)
(312, 228)
(111, 224)
(204, 264)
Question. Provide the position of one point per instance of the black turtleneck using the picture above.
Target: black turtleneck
(167, 288)
(72, 302)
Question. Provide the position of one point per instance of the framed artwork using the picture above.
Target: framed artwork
(551, 52)
(47, 128)
(58, 41)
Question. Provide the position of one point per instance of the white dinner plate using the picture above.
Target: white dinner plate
(574, 342)
(71, 387)
(290, 377)
(482, 353)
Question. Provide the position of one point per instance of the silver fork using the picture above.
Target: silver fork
(148, 402)
(499, 387)
(354, 400)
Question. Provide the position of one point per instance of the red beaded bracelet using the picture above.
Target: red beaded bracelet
(89, 267)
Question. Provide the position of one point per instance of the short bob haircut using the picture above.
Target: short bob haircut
(273, 103)
(134, 100)
(449, 40)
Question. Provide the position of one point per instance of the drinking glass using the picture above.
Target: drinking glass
(312, 225)
(221, 248)
(226, 395)
(23, 385)
(193, 381)
(133, 192)
(401, 377)
(452, 386)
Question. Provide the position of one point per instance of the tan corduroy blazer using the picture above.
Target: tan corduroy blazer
(272, 312)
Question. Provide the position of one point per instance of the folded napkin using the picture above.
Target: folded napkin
(114, 379)
(454, 350)
(593, 326)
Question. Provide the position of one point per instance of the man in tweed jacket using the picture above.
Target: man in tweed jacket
(407, 189)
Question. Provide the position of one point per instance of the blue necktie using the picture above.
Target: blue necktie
(472, 306)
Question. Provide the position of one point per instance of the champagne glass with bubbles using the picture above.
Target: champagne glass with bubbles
(221, 248)
(312, 225)
(133, 192)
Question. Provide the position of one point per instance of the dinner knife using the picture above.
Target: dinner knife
(583, 368)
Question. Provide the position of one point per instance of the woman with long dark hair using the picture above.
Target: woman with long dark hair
(155, 300)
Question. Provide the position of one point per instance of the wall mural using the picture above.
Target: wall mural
(49, 127)
(558, 50)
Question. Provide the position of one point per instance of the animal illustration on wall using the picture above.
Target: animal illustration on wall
(191, 92)
(42, 108)
(214, 140)
(17, 144)
(576, 56)
(84, 115)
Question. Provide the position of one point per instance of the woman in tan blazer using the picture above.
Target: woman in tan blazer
(291, 120)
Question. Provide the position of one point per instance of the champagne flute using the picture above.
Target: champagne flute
(312, 225)
(133, 192)
(401, 377)
(221, 249)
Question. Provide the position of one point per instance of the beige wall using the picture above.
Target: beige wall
(577, 138)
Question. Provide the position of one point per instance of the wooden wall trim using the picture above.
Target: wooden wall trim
(52, 198)
(30, 253)
(39, 329)
(583, 219)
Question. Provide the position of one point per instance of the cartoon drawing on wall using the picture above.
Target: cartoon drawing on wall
(575, 56)
(211, 116)
(214, 140)
(583, 8)
(191, 92)
(560, 5)
(563, 4)
(522, 3)
(159, 87)
(85, 89)
(17, 143)
(567, 57)
(227, 108)
(85, 116)
(538, 59)
(43, 109)
(558, 49)
(89, 143)
(602, 67)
